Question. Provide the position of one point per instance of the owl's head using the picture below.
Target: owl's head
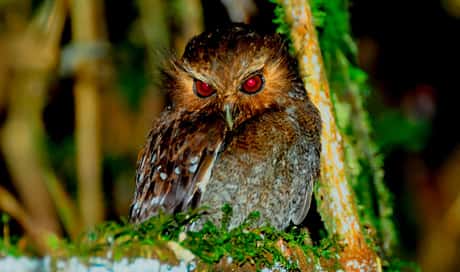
(234, 72)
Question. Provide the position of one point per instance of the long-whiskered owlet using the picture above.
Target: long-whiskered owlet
(239, 130)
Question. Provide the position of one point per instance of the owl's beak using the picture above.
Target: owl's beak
(228, 115)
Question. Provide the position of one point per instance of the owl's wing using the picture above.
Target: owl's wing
(299, 213)
(174, 164)
(304, 173)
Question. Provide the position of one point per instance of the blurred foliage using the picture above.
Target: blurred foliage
(151, 239)
(132, 78)
(395, 130)
(63, 161)
(8, 243)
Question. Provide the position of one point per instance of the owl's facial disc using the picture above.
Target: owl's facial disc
(235, 73)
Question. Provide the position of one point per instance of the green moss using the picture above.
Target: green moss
(8, 244)
(283, 27)
(9, 247)
(121, 239)
(257, 246)
(245, 245)
(397, 265)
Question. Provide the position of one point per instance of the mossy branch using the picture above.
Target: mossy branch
(335, 196)
(349, 91)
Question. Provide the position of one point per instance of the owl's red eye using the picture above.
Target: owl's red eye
(203, 89)
(253, 84)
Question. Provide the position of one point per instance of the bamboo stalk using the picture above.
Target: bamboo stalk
(66, 208)
(438, 212)
(156, 38)
(88, 29)
(32, 55)
(438, 250)
(52, 24)
(337, 204)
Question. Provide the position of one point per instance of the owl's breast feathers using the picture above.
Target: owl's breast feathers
(269, 164)
(177, 158)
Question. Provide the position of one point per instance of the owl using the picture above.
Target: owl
(240, 129)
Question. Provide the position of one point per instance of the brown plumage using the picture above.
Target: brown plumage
(240, 130)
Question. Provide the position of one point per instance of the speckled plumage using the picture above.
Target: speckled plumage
(266, 159)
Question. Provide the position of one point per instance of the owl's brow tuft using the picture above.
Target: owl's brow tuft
(175, 65)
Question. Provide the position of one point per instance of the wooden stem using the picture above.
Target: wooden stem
(336, 200)
(31, 57)
(88, 30)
